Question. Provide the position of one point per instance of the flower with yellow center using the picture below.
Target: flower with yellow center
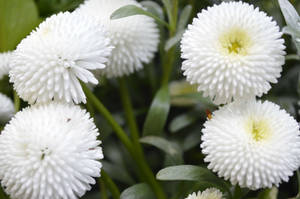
(253, 144)
(232, 51)
(210, 193)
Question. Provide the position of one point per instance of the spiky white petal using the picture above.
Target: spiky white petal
(253, 144)
(5, 59)
(210, 193)
(232, 51)
(49, 152)
(7, 109)
(48, 63)
(135, 38)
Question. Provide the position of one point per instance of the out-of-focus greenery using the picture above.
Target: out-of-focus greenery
(171, 130)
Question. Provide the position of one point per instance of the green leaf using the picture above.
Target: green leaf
(184, 17)
(48, 7)
(138, 191)
(158, 113)
(131, 10)
(292, 20)
(290, 14)
(173, 40)
(171, 148)
(154, 8)
(17, 19)
(168, 7)
(192, 139)
(191, 173)
(184, 120)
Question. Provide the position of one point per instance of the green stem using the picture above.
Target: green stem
(102, 189)
(169, 57)
(148, 176)
(116, 127)
(111, 185)
(131, 120)
(17, 101)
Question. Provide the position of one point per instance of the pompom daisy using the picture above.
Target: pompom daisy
(7, 109)
(49, 63)
(135, 38)
(5, 59)
(232, 51)
(49, 152)
(210, 193)
(253, 144)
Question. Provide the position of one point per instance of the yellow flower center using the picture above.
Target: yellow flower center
(235, 42)
(259, 129)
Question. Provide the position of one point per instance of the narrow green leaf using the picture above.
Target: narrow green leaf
(158, 113)
(167, 146)
(173, 40)
(190, 173)
(17, 19)
(168, 7)
(184, 17)
(131, 10)
(192, 140)
(290, 14)
(154, 8)
(292, 20)
(184, 120)
(138, 191)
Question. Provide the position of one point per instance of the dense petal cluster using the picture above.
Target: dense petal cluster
(5, 59)
(49, 152)
(135, 38)
(7, 109)
(210, 193)
(48, 64)
(232, 51)
(253, 144)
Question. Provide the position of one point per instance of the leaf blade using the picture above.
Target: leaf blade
(131, 10)
(158, 113)
(138, 191)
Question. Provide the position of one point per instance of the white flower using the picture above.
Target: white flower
(254, 144)
(210, 193)
(232, 51)
(49, 152)
(7, 109)
(48, 63)
(135, 38)
(5, 60)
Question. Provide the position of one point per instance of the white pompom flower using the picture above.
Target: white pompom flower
(252, 143)
(232, 51)
(135, 38)
(5, 60)
(210, 193)
(7, 108)
(49, 63)
(49, 152)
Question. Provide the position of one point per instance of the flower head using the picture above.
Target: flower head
(210, 193)
(254, 144)
(7, 109)
(5, 61)
(48, 152)
(232, 51)
(64, 48)
(135, 38)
